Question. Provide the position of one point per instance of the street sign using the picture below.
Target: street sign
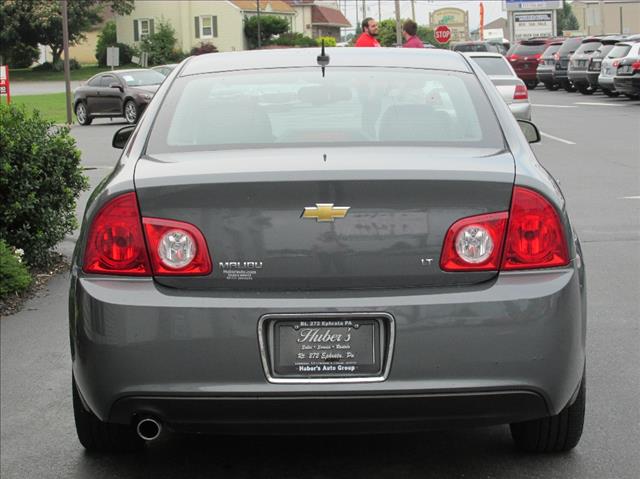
(4, 82)
(532, 4)
(113, 57)
(532, 24)
(442, 34)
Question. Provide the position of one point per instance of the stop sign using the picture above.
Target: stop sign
(442, 34)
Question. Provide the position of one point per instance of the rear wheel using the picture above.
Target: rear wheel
(82, 115)
(586, 90)
(96, 435)
(568, 86)
(531, 84)
(131, 112)
(557, 433)
(632, 96)
(610, 93)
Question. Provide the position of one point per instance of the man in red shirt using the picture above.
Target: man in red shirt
(410, 34)
(369, 34)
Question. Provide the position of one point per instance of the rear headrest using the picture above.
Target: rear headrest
(228, 122)
(414, 123)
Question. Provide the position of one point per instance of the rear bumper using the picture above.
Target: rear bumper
(521, 110)
(527, 75)
(606, 82)
(503, 351)
(560, 75)
(545, 75)
(629, 85)
(578, 77)
(592, 78)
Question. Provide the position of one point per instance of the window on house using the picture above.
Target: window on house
(142, 27)
(206, 26)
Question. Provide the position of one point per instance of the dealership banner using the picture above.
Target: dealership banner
(532, 24)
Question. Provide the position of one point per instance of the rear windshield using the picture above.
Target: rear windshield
(569, 46)
(619, 51)
(551, 50)
(587, 48)
(524, 49)
(472, 47)
(603, 51)
(284, 107)
(493, 65)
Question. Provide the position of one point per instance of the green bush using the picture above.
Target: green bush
(57, 66)
(40, 179)
(107, 38)
(14, 276)
(204, 47)
(294, 40)
(328, 41)
(270, 26)
(161, 45)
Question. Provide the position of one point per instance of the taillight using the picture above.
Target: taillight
(520, 93)
(535, 235)
(615, 63)
(176, 248)
(514, 57)
(115, 243)
(556, 57)
(635, 66)
(474, 243)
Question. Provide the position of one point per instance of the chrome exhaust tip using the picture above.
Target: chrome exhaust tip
(148, 429)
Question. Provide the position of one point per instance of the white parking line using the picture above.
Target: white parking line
(561, 140)
(553, 106)
(630, 198)
(595, 104)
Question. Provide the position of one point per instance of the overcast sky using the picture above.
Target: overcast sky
(492, 9)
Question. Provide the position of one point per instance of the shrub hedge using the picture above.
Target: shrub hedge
(14, 276)
(40, 179)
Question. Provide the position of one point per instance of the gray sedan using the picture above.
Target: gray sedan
(354, 240)
(513, 90)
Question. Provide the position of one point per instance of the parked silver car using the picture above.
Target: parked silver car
(513, 90)
(350, 241)
(609, 66)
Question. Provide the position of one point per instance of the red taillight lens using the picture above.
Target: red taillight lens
(535, 235)
(520, 93)
(115, 243)
(514, 57)
(474, 243)
(615, 63)
(556, 57)
(635, 66)
(176, 248)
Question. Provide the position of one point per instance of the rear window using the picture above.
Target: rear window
(471, 47)
(587, 48)
(527, 49)
(619, 51)
(356, 106)
(569, 46)
(603, 51)
(142, 78)
(551, 49)
(493, 65)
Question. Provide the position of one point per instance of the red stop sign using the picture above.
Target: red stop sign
(442, 34)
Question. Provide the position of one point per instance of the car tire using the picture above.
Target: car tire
(609, 93)
(557, 433)
(81, 114)
(586, 90)
(631, 96)
(568, 86)
(531, 84)
(98, 436)
(549, 86)
(131, 112)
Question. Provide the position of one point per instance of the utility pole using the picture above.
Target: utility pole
(398, 26)
(259, 35)
(380, 11)
(364, 9)
(357, 20)
(65, 47)
(413, 10)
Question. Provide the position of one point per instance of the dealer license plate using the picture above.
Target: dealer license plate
(327, 347)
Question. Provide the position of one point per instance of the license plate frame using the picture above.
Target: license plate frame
(280, 357)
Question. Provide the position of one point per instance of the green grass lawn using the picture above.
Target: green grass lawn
(51, 106)
(84, 73)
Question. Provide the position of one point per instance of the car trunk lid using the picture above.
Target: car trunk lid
(249, 206)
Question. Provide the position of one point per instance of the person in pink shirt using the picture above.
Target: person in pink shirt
(410, 34)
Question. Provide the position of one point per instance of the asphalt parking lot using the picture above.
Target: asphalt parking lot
(590, 144)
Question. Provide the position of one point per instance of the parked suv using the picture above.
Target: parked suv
(578, 63)
(562, 56)
(611, 62)
(479, 46)
(546, 65)
(627, 79)
(524, 59)
(595, 63)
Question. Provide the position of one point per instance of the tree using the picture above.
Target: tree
(270, 25)
(160, 45)
(31, 22)
(566, 18)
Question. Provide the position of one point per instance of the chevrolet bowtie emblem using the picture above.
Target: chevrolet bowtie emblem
(325, 212)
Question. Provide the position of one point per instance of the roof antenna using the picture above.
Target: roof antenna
(323, 59)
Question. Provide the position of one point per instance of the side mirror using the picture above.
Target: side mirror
(530, 131)
(121, 136)
(116, 85)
